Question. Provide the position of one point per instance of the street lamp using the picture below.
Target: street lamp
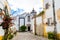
(54, 16)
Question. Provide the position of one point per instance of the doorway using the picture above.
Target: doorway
(28, 28)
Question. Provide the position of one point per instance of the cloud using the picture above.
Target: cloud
(27, 5)
(17, 11)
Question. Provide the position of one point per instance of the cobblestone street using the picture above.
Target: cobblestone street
(27, 36)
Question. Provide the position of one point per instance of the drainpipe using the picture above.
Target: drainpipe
(54, 16)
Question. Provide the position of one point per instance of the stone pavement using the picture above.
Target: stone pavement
(27, 36)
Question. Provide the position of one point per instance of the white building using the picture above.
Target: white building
(48, 7)
(26, 19)
(49, 18)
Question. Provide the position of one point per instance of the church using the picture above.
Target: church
(26, 19)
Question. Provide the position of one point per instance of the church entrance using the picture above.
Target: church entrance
(28, 28)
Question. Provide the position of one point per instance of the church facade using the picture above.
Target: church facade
(26, 19)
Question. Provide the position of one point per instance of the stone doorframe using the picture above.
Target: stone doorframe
(19, 21)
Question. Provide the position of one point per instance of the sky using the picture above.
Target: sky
(21, 6)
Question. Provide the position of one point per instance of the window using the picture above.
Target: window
(47, 5)
(28, 18)
(49, 21)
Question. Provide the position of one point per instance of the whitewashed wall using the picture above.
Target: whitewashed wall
(1, 31)
(38, 20)
(26, 20)
(32, 25)
(16, 23)
(58, 27)
(49, 14)
(57, 6)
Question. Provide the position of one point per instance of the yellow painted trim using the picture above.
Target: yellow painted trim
(58, 36)
(45, 33)
(1, 37)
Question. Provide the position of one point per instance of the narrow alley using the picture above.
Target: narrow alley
(27, 36)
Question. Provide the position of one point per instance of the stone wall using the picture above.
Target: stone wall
(39, 29)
